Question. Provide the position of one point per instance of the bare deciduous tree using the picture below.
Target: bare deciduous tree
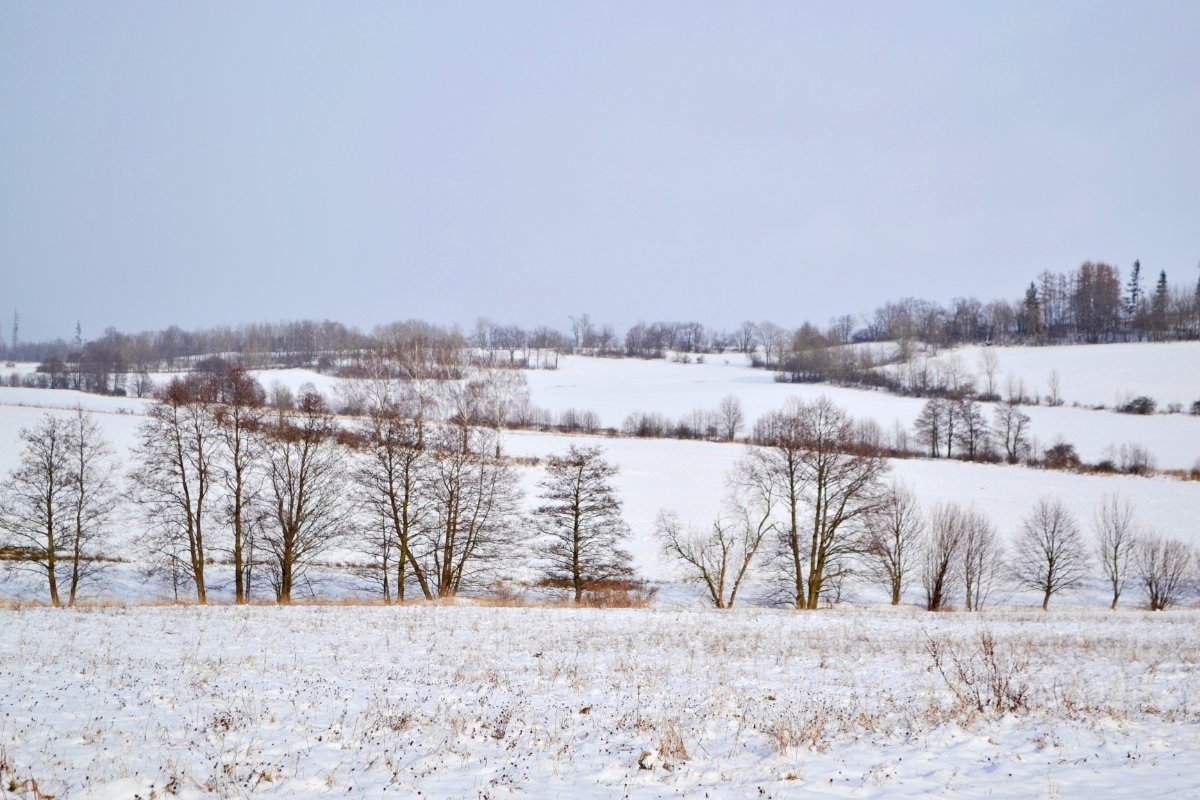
(500, 392)
(773, 338)
(92, 497)
(1116, 542)
(942, 551)
(240, 420)
(1050, 554)
(580, 521)
(827, 488)
(1164, 569)
(1054, 386)
(982, 557)
(34, 504)
(931, 425)
(893, 539)
(972, 434)
(719, 559)
(469, 530)
(1012, 430)
(306, 485)
(989, 364)
(393, 480)
(746, 337)
(730, 417)
(175, 477)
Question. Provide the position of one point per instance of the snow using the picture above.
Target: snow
(614, 388)
(689, 478)
(1097, 374)
(463, 700)
(455, 702)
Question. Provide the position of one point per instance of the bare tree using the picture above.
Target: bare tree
(580, 521)
(305, 481)
(719, 559)
(972, 434)
(499, 392)
(469, 530)
(393, 480)
(1050, 554)
(931, 424)
(1012, 429)
(583, 331)
(989, 364)
(812, 456)
(1054, 384)
(1164, 568)
(893, 540)
(92, 497)
(773, 338)
(175, 476)
(1116, 542)
(34, 502)
(942, 551)
(240, 420)
(982, 558)
(746, 337)
(730, 417)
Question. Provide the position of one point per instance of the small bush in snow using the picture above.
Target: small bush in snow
(1138, 405)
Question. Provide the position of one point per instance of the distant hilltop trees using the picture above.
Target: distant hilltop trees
(1094, 303)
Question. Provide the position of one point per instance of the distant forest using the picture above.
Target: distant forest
(1091, 304)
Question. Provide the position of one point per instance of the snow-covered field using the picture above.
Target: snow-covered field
(615, 388)
(688, 478)
(1097, 374)
(464, 702)
(673, 700)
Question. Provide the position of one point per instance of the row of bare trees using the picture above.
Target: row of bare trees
(810, 508)
(418, 484)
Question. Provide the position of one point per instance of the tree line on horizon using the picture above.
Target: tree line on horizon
(1090, 304)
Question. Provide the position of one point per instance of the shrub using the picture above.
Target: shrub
(1138, 405)
(1135, 459)
(1061, 455)
(989, 678)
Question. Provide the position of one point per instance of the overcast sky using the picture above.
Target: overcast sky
(207, 163)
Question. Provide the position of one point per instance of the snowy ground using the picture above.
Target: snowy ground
(461, 702)
(1098, 374)
(688, 477)
(669, 701)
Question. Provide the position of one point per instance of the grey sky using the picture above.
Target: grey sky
(203, 163)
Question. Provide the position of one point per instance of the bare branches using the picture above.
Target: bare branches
(175, 476)
(306, 487)
(35, 500)
(827, 486)
(1165, 570)
(892, 542)
(1050, 554)
(469, 530)
(1116, 542)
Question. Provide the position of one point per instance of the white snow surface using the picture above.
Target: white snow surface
(688, 477)
(1095, 374)
(465, 701)
(614, 388)
(458, 702)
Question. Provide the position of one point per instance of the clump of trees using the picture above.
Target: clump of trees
(57, 503)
